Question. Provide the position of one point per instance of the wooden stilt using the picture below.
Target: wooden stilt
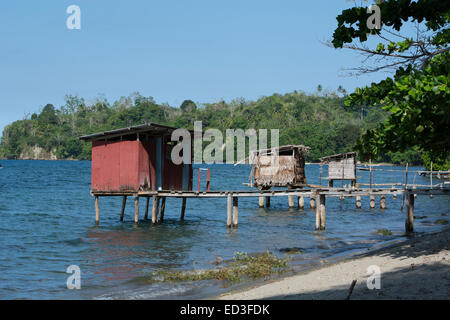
(358, 202)
(291, 202)
(261, 202)
(322, 211)
(372, 202)
(235, 212)
(147, 201)
(136, 210)
(312, 203)
(301, 202)
(382, 202)
(317, 214)
(229, 210)
(97, 211)
(163, 208)
(267, 202)
(409, 224)
(158, 199)
(183, 209)
(124, 203)
(155, 210)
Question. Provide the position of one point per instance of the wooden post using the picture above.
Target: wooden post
(406, 185)
(183, 209)
(146, 208)
(199, 177)
(409, 224)
(291, 202)
(124, 203)
(317, 213)
(136, 209)
(312, 202)
(267, 201)
(155, 210)
(431, 178)
(370, 169)
(208, 180)
(163, 208)
(372, 202)
(301, 202)
(235, 212)
(261, 202)
(229, 210)
(382, 201)
(322, 211)
(358, 202)
(97, 211)
(330, 183)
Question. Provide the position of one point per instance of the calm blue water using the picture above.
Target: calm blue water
(47, 224)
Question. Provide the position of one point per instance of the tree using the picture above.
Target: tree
(417, 95)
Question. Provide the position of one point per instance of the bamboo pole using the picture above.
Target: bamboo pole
(183, 209)
(97, 211)
(124, 203)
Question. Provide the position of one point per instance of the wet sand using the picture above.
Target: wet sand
(418, 268)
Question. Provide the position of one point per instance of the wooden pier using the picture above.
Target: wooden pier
(316, 195)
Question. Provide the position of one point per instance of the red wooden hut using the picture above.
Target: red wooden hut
(134, 159)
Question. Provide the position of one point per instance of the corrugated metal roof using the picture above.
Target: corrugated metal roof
(147, 128)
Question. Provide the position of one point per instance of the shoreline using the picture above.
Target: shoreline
(415, 268)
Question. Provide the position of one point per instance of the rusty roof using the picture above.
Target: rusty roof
(151, 128)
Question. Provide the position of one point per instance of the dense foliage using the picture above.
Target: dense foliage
(320, 121)
(417, 96)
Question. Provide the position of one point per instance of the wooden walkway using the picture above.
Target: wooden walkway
(316, 195)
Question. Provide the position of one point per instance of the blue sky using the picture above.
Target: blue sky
(203, 50)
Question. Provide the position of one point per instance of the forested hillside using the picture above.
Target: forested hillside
(320, 121)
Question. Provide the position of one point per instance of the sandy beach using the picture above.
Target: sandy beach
(418, 268)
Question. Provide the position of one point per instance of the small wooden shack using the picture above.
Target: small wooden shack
(136, 158)
(279, 167)
(341, 167)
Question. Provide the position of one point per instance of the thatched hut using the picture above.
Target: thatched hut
(279, 167)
